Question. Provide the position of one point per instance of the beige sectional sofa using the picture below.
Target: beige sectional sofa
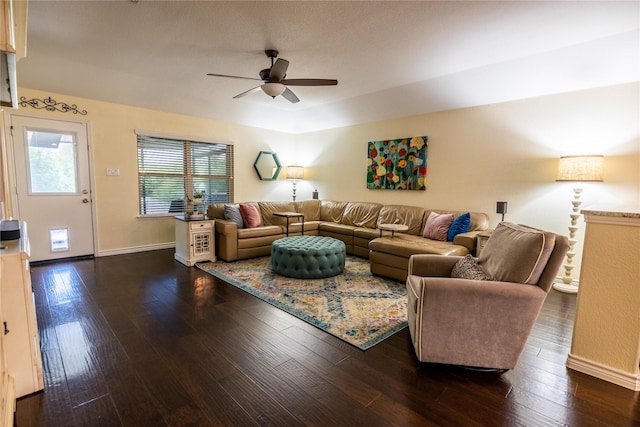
(354, 223)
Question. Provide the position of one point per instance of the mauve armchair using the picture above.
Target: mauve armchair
(482, 323)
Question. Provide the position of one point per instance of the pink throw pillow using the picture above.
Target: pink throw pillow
(250, 215)
(437, 226)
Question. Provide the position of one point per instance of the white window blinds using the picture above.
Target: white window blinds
(170, 169)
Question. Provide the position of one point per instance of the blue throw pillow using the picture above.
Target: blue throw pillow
(460, 225)
(232, 213)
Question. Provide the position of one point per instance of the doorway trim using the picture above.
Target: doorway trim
(11, 175)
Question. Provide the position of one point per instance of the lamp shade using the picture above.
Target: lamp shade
(580, 168)
(295, 172)
(273, 89)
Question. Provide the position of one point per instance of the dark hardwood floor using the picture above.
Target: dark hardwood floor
(140, 340)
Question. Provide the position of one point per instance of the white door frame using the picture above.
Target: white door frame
(11, 167)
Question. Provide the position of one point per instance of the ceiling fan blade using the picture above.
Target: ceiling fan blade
(290, 96)
(240, 95)
(233, 77)
(309, 82)
(278, 70)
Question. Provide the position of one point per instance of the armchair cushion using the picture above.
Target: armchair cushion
(516, 253)
(468, 268)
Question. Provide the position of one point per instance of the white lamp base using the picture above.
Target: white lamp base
(566, 288)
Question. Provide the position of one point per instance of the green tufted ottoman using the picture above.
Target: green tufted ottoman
(308, 257)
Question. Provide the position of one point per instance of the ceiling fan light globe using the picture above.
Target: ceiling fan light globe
(273, 89)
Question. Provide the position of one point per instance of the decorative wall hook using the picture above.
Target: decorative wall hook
(51, 104)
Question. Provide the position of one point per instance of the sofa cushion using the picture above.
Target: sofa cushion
(411, 216)
(232, 213)
(250, 215)
(216, 210)
(267, 209)
(310, 209)
(331, 211)
(405, 245)
(460, 225)
(437, 226)
(468, 268)
(361, 214)
(516, 253)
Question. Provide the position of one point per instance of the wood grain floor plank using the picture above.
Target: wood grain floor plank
(139, 339)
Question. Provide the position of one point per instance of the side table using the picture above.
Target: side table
(288, 216)
(392, 228)
(194, 240)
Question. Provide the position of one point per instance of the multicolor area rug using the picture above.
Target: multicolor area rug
(354, 306)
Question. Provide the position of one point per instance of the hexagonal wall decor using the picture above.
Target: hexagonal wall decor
(267, 166)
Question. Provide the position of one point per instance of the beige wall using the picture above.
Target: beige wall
(113, 144)
(507, 151)
(476, 157)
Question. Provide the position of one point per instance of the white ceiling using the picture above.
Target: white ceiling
(391, 58)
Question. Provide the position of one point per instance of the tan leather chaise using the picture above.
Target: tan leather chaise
(482, 323)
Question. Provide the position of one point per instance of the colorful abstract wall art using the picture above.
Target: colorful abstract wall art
(398, 164)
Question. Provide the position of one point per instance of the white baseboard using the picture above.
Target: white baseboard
(130, 250)
(612, 375)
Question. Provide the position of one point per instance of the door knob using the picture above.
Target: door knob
(85, 192)
(85, 200)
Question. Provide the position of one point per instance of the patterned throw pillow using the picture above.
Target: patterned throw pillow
(250, 215)
(232, 213)
(468, 268)
(437, 226)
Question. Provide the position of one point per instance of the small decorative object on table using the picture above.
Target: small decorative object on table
(194, 206)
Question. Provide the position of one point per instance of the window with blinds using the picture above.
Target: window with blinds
(170, 169)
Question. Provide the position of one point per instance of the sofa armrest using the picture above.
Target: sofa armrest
(469, 239)
(430, 265)
(226, 239)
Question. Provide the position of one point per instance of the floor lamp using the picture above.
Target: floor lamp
(576, 169)
(295, 173)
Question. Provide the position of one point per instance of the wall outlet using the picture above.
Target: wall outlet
(113, 171)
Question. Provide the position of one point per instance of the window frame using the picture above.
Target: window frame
(188, 175)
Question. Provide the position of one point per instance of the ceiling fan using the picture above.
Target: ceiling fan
(274, 80)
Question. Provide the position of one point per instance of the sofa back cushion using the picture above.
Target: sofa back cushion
(332, 211)
(310, 209)
(516, 253)
(267, 210)
(411, 216)
(215, 210)
(361, 214)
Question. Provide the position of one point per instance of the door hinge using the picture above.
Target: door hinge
(11, 130)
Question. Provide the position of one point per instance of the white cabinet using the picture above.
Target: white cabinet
(194, 241)
(7, 389)
(18, 311)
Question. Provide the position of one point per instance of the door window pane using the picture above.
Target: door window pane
(51, 159)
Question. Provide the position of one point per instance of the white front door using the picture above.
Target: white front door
(53, 186)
